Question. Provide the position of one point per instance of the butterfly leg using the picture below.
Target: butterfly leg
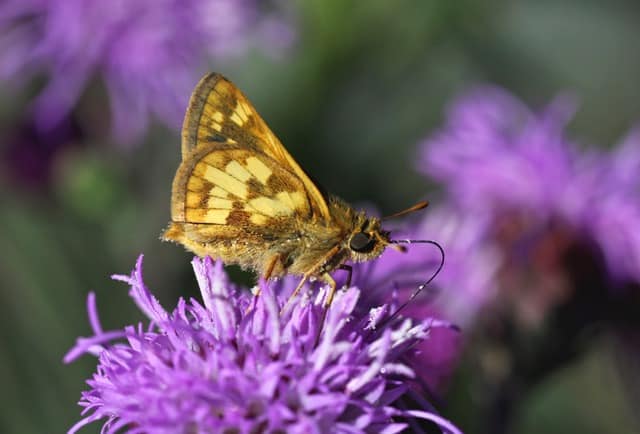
(332, 290)
(295, 292)
(272, 264)
(349, 270)
(268, 271)
(267, 275)
(327, 302)
(312, 271)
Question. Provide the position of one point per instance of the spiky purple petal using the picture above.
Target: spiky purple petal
(236, 362)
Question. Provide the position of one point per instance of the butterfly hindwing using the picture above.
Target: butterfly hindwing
(232, 202)
(232, 186)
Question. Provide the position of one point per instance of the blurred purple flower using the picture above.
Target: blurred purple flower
(542, 239)
(235, 363)
(495, 158)
(148, 52)
(520, 199)
(529, 222)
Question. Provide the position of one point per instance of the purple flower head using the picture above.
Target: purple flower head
(498, 159)
(528, 222)
(525, 213)
(234, 363)
(493, 152)
(149, 53)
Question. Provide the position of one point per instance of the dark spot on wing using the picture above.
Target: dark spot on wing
(257, 189)
(217, 138)
(238, 218)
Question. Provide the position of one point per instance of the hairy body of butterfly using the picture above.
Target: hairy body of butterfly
(239, 196)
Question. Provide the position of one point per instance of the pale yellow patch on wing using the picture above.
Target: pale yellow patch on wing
(244, 108)
(205, 130)
(217, 116)
(215, 216)
(237, 171)
(193, 199)
(196, 184)
(221, 179)
(217, 203)
(283, 197)
(235, 117)
(258, 219)
(195, 215)
(241, 113)
(258, 169)
(294, 199)
(218, 192)
(268, 207)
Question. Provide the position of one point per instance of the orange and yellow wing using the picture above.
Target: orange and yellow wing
(219, 115)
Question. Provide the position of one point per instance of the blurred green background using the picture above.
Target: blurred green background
(362, 85)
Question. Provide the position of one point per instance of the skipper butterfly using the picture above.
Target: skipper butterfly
(239, 196)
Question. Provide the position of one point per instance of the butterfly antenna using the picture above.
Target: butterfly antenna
(419, 289)
(418, 206)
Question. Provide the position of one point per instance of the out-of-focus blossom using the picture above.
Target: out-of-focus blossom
(237, 364)
(530, 223)
(148, 53)
(521, 202)
(543, 236)
(496, 158)
(520, 199)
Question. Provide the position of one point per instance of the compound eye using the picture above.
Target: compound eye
(361, 242)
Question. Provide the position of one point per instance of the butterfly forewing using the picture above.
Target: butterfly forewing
(220, 115)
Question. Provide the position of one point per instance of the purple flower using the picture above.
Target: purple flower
(236, 363)
(496, 157)
(521, 200)
(542, 237)
(149, 53)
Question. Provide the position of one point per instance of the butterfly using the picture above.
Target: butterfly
(239, 196)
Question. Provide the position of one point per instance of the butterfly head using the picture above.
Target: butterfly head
(367, 240)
